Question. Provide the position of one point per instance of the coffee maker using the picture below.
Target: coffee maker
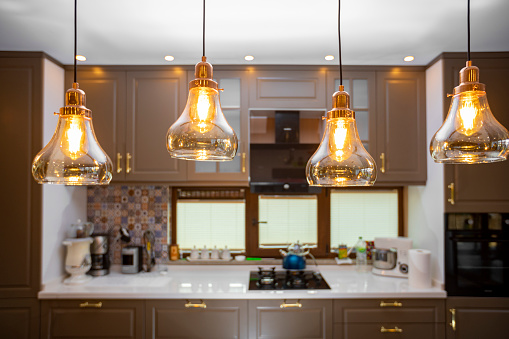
(100, 257)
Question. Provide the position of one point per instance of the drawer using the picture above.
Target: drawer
(92, 319)
(389, 330)
(389, 310)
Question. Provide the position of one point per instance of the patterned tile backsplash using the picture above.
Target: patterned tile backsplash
(138, 208)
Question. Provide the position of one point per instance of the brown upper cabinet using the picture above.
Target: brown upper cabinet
(479, 188)
(132, 111)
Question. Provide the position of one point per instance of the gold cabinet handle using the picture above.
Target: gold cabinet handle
(394, 304)
(192, 305)
(119, 157)
(451, 188)
(86, 304)
(396, 329)
(128, 162)
(243, 162)
(285, 305)
(382, 157)
(453, 318)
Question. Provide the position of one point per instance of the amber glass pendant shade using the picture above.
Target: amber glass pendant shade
(202, 132)
(341, 160)
(73, 156)
(470, 133)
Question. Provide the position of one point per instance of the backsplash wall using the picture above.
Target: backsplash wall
(138, 208)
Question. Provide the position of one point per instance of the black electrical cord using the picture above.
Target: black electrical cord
(203, 27)
(75, 35)
(339, 38)
(468, 29)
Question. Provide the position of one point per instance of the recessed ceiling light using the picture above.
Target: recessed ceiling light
(169, 58)
(249, 58)
(81, 58)
(409, 58)
(329, 57)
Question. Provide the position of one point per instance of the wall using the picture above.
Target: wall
(426, 203)
(61, 205)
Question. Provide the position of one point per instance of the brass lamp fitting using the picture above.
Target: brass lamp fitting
(469, 79)
(75, 99)
(341, 105)
(203, 75)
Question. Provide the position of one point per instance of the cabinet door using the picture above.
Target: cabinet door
(155, 99)
(473, 318)
(21, 201)
(479, 188)
(389, 330)
(106, 96)
(362, 89)
(92, 319)
(19, 318)
(401, 127)
(278, 319)
(211, 319)
(287, 89)
(234, 103)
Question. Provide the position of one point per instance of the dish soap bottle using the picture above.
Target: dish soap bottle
(361, 260)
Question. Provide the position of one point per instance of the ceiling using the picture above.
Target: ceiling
(374, 32)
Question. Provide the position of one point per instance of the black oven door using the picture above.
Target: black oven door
(476, 263)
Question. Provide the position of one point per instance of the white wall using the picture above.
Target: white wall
(61, 205)
(426, 203)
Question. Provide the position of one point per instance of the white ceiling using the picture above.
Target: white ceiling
(374, 32)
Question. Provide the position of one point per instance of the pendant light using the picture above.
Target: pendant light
(470, 133)
(202, 132)
(341, 159)
(73, 156)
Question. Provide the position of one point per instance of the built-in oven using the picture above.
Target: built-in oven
(477, 254)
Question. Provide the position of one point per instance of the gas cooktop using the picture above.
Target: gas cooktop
(272, 279)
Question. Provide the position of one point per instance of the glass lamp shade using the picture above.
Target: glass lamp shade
(341, 159)
(202, 132)
(470, 133)
(73, 156)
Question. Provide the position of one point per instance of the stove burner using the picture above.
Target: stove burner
(296, 279)
(270, 279)
(266, 277)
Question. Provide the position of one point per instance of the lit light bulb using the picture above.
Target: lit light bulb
(469, 120)
(341, 138)
(73, 142)
(202, 107)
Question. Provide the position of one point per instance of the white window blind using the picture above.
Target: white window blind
(367, 214)
(285, 220)
(211, 223)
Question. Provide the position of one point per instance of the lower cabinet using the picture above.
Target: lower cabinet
(278, 319)
(375, 318)
(473, 318)
(19, 318)
(92, 319)
(195, 319)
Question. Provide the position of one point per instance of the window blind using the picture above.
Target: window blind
(285, 220)
(367, 214)
(211, 223)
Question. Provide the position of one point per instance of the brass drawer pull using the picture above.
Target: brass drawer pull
(127, 162)
(394, 304)
(453, 318)
(396, 329)
(285, 305)
(192, 305)
(382, 157)
(451, 188)
(86, 304)
(243, 162)
(119, 168)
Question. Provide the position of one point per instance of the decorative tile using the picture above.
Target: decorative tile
(139, 208)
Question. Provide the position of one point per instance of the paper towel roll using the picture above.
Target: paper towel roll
(419, 268)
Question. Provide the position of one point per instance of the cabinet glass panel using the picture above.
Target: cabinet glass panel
(360, 93)
(233, 118)
(362, 120)
(346, 83)
(231, 166)
(230, 97)
(205, 166)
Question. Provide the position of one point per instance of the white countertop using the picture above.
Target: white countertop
(231, 282)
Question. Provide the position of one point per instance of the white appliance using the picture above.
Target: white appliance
(391, 257)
